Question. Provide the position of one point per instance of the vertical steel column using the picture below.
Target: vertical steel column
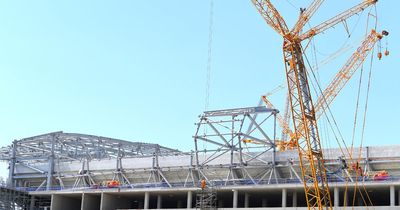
(240, 144)
(32, 203)
(196, 148)
(189, 200)
(336, 197)
(235, 199)
(159, 202)
(12, 165)
(274, 151)
(274, 146)
(232, 141)
(146, 200)
(392, 194)
(367, 162)
(294, 201)
(50, 170)
(246, 200)
(284, 196)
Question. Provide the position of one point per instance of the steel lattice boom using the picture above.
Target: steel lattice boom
(333, 89)
(302, 108)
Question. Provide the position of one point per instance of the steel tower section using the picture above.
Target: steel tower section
(246, 134)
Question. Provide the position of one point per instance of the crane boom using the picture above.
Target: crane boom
(339, 81)
(347, 71)
(271, 16)
(337, 19)
(306, 15)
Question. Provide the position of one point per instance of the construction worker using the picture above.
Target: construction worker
(203, 184)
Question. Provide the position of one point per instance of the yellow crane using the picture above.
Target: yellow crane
(332, 90)
(302, 108)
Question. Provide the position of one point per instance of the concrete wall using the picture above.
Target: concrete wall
(117, 201)
(63, 202)
(91, 201)
(384, 197)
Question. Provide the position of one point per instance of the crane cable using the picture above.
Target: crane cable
(349, 32)
(208, 68)
(318, 81)
(364, 122)
(291, 4)
(356, 111)
(337, 127)
(354, 132)
(362, 140)
(209, 58)
(367, 99)
(317, 88)
(365, 116)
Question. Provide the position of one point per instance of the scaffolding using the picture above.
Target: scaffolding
(14, 199)
(206, 199)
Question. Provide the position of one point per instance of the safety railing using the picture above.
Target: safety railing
(213, 183)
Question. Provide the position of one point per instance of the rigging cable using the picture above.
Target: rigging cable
(318, 89)
(350, 33)
(365, 114)
(364, 121)
(356, 111)
(366, 99)
(291, 4)
(208, 70)
(209, 58)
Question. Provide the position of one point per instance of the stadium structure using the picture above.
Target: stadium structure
(67, 171)
(237, 160)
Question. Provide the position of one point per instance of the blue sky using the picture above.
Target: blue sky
(136, 70)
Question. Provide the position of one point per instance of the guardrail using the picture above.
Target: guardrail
(214, 183)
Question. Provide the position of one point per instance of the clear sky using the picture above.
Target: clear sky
(136, 70)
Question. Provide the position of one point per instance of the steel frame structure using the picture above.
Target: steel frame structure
(239, 147)
(167, 171)
(56, 147)
(224, 131)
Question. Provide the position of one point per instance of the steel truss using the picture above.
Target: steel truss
(224, 132)
(238, 149)
(55, 148)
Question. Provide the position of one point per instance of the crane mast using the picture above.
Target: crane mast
(302, 108)
(308, 144)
